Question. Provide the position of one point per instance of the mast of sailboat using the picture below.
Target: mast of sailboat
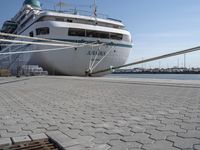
(60, 3)
(95, 9)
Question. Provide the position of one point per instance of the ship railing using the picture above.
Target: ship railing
(80, 12)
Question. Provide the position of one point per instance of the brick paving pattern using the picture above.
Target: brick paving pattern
(101, 114)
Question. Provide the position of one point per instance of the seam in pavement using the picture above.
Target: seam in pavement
(139, 83)
(13, 81)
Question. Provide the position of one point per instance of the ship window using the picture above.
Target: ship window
(60, 19)
(22, 18)
(31, 34)
(97, 34)
(126, 38)
(69, 20)
(42, 31)
(46, 18)
(94, 34)
(116, 36)
(27, 21)
(76, 32)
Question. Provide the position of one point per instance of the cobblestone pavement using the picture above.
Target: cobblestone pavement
(102, 114)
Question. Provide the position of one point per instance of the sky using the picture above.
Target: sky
(157, 26)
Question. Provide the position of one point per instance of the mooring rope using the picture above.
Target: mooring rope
(90, 63)
(5, 56)
(33, 43)
(11, 44)
(34, 38)
(101, 59)
(149, 60)
(45, 50)
(33, 51)
(95, 57)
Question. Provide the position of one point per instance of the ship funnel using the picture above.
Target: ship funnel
(33, 3)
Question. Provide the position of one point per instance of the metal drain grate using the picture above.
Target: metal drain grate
(44, 144)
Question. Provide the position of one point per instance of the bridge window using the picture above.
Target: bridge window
(94, 34)
(76, 32)
(60, 19)
(97, 34)
(69, 20)
(116, 36)
(46, 18)
(42, 31)
(126, 38)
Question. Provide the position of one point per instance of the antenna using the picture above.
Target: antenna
(95, 9)
(61, 4)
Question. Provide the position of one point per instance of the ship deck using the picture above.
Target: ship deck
(101, 113)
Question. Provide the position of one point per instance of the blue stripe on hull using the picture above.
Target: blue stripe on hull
(108, 43)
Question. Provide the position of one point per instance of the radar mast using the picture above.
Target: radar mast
(61, 5)
(95, 9)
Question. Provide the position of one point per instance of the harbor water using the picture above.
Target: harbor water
(158, 76)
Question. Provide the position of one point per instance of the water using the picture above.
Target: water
(158, 76)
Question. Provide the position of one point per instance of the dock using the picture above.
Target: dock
(82, 113)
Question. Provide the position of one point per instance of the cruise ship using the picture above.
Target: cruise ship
(115, 43)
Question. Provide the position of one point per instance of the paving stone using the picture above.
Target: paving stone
(5, 141)
(188, 126)
(73, 133)
(85, 141)
(38, 136)
(197, 147)
(61, 138)
(160, 135)
(106, 125)
(192, 120)
(5, 134)
(138, 137)
(121, 131)
(11, 121)
(137, 128)
(21, 139)
(13, 129)
(52, 128)
(184, 143)
(160, 145)
(155, 123)
(23, 133)
(101, 147)
(38, 131)
(76, 147)
(103, 138)
(174, 128)
(190, 134)
(119, 145)
(168, 121)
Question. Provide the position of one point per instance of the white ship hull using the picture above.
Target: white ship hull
(77, 62)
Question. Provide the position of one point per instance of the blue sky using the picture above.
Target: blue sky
(157, 26)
